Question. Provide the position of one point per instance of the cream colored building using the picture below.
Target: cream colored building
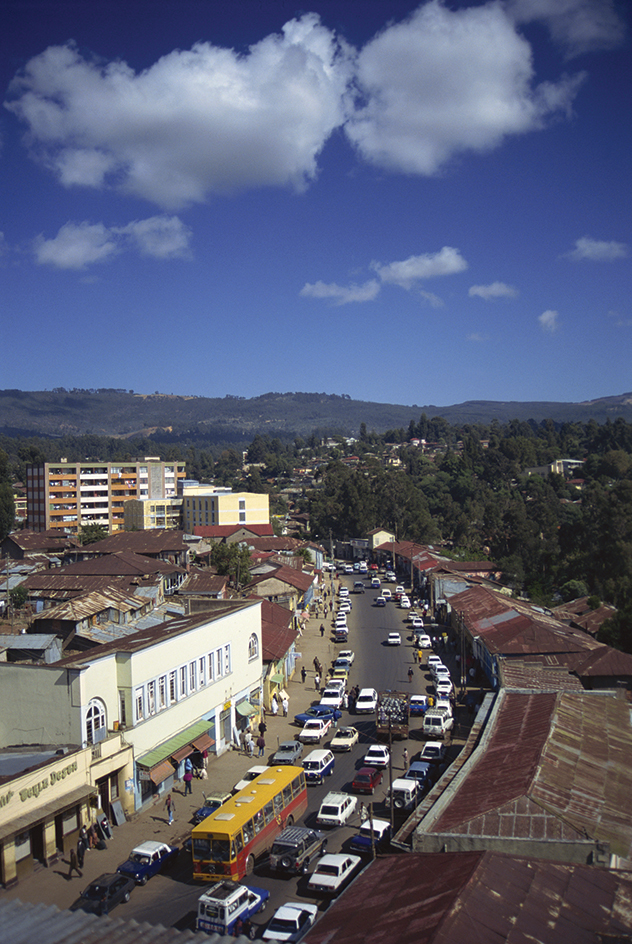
(203, 505)
(141, 514)
(43, 809)
(179, 688)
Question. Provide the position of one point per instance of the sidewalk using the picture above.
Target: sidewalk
(50, 886)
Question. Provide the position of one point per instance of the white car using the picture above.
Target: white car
(331, 698)
(336, 683)
(336, 808)
(404, 603)
(417, 623)
(386, 593)
(433, 751)
(314, 730)
(390, 576)
(344, 739)
(434, 659)
(291, 921)
(393, 639)
(444, 686)
(376, 756)
(343, 592)
(344, 608)
(333, 872)
(366, 701)
(380, 601)
(251, 774)
(424, 641)
(399, 590)
(347, 654)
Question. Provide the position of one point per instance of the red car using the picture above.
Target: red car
(366, 780)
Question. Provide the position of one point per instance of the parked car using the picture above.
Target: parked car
(291, 922)
(104, 893)
(338, 683)
(379, 601)
(147, 859)
(344, 739)
(394, 639)
(437, 723)
(295, 847)
(333, 873)
(251, 774)
(399, 591)
(376, 756)
(343, 592)
(366, 701)
(433, 752)
(434, 659)
(421, 771)
(314, 731)
(404, 603)
(347, 654)
(336, 809)
(345, 607)
(375, 832)
(331, 698)
(444, 686)
(341, 675)
(342, 663)
(417, 623)
(289, 752)
(212, 802)
(317, 711)
(317, 765)
(367, 779)
(423, 641)
(405, 793)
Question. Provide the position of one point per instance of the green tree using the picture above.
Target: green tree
(91, 533)
(232, 560)
(18, 597)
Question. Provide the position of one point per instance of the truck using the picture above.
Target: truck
(392, 713)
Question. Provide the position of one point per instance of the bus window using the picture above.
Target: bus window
(301, 777)
(287, 794)
(259, 821)
(248, 832)
(296, 786)
(278, 804)
(221, 850)
(201, 848)
(239, 843)
(268, 812)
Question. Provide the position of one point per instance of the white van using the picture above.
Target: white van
(405, 794)
(318, 765)
(336, 809)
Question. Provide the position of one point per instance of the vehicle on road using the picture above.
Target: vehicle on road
(433, 752)
(333, 873)
(212, 801)
(392, 713)
(336, 809)
(404, 603)
(331, 698)
(399, 592)
(367, 779)
(229, 841)
(339, 675)
(288, 752)
(318, 764)
(421, 771)
(394, 639)
(417, 623)
(104, 893)
(347, 654)
(376, 583)
(358, 586)
(423, 641)
(291, 922)
(342, 663)
(444, 686)
(314, 731)
(147, 859)
(374, 833)
(386, 593)
(418, 704)
(434, 659)
(345, 607)
(294, 849)
(225, 904)
(437, 723)
(251, 774)
(379, 601)
(376, 756)
(317, 711)
(366, 701)
(406, 794)
(343, 592)
(344, 739)
(341, 634)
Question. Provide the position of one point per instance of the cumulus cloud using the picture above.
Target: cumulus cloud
(597, 250)
(341, 294)
(197, 122)
(495, 290)
(78, 245)
(579, 26)
(549, 320)
(444, 82)
(447, 261)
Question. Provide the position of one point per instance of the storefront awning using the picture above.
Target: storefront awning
(245, 709)
(203, 743)
(185, 751)
(161, 771)
(277, 678)
(175, 745)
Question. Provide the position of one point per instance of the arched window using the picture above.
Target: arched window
(96, 726)
(253, 647)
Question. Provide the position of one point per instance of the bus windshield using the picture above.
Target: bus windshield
(211, 848)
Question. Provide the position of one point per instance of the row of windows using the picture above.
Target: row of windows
(160, 693)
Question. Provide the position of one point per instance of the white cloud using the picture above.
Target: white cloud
(443, 82)
(447, 261)
(495, 290)
(78, 245)
(578, 25)
(433, 300)
(597, 250)
(340, 294)
(549, 320)
(201, 121)
(476, 337)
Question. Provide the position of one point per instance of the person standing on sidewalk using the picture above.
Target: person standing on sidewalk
(171, 808)
(317, 681)
(74, 866)
(188, 778)
(410, 675)
(322, 630)
(261, 744)
(303, 674)
(405, 756)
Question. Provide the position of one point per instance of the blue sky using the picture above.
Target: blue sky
(407, 204)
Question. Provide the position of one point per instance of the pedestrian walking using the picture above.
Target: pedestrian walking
(275, 706)
(250, 745)
(405, 756)
(81, 851)
(303, 674)
(74, 866)
(286, 704)
(188, 782)
(415, 655)
(410, 675)
(171, 808)
(317, 681)
(322, 629)
(316, 663)
(261, 744)
(263, 727)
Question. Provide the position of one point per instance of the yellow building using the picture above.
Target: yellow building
(69, 495)
(142, 514)
(203, 505)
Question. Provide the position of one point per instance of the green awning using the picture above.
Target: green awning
(277, 678)
(245, 708)
(174, 744)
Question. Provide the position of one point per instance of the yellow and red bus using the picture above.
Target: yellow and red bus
(228, 842)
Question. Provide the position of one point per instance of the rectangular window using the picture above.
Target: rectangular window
(218, 656)
(183, 681)
(242, 517)
(138, 704)
(227, 665)
(192, 673)
(173, 687)
(122, 711)
(242, 504)
(162, 692)
(202, 671)
(151, 698)
(211, 667)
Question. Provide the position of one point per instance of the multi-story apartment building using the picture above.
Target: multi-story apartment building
(205, 505)
(69, 495)
(141, 514)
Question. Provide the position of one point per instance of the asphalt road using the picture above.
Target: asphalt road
(171, 899)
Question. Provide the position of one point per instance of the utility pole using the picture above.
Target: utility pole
(373, 850)
(390, 771)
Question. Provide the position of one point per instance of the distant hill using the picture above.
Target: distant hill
(169, 417)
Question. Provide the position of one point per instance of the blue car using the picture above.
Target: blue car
(318, 712)
(148, 859)
(361, 842)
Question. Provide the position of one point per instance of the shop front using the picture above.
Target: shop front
(157, 770)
